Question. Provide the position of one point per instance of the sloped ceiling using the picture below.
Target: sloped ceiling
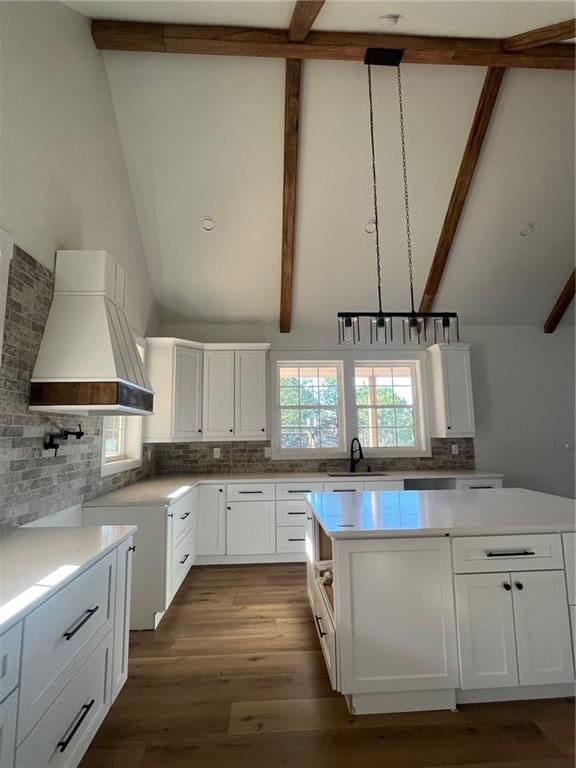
(203, 136)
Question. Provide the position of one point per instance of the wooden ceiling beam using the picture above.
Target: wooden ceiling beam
(555, 33)
(304, 15)
(340, 46)
(291, 124)
(564, 301)
(484, 110)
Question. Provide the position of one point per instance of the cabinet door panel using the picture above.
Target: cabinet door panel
(8, 713)
(211, 520)
(187, 393)
(458, 393)
(569, 544)
(396, 630)
(218, 394)
(250, 394)
(542, 628)
(486, 631)
(122, 617)
(250, 528)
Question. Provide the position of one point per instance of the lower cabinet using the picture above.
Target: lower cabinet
(326, 632)
(396, 625)
(122, 616)
(250, 528)
(513, 629)
(211, 520)
(8, 716)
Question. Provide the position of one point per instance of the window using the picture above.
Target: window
(310, 409)
(122, 437)
(387, 405)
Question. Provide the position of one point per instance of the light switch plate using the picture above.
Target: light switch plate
(217, 453)
(267, 452)
(454, 449)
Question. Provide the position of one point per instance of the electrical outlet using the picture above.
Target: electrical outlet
(563, 446)
(267, 452)
(217, 453)
(454, 450)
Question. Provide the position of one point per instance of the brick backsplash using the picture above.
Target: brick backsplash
(34, 482)
(248, 457)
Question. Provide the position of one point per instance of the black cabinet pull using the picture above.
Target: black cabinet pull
(343, 490)
(301, 490)
(185, 515)
(184, 559)
(319, 625)
(478, 487)
(69, 634)
(63, 743)
(247, 493)
(296, 513)
(132, 549)
(296, 539)
(170, 514)
(507, 586)
(519, 585)
(511, 553)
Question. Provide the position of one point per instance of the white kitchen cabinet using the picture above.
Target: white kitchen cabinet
(8, 717)
(122, 616)
(569, 546)
(310, 556)
(542, 628)
(250, 528)
(471, 483)
(486, 637)
(513, 629)
(218, 415)
(175, 371)
(396, 626)
(343, 486)
(250, 395)
(453, 412)
(211, 520)
(384, 485)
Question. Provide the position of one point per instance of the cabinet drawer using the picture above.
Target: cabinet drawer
(290, 512)
(250, 491)
(526, 552)
(384, 485)
(182, 560)
(10, 643)
(60, 635)
(470, 483)
(297, 490)
(291, 539)
(64, 733)
(182, 512)
(344, 487)
(8, 714)
(326, 633)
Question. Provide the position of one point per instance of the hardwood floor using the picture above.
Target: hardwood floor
(234, 678)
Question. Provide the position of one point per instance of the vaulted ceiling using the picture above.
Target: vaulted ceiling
(203, 137)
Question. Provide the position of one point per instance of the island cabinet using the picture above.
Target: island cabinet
(569, 545)
(513, 623)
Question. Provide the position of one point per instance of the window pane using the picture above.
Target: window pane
(290, 438)
(384, 395)
(308, 396)
(387, 438)
(362, 394)
(403, 395)
(404, 417)
(386, 417)
(328, 395)
(289, 396)
(309, 417)
(329, 438)
(289, 417)
(406, 437)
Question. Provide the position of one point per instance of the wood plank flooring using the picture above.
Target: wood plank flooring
(234, 678)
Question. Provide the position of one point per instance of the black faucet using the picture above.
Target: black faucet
(356, 454)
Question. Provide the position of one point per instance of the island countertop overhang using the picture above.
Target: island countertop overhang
(399, 514)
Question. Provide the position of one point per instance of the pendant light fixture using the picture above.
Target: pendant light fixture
(389, 327)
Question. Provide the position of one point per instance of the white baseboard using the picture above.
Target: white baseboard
(404, 701)
(248, 559)
(521, 693)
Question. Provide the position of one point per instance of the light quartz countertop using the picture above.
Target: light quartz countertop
(37, 562)
(164, 490)
(396, 514)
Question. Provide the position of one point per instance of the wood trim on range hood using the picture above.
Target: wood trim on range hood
(102, 396)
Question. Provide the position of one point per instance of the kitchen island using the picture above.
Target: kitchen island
(424, 599)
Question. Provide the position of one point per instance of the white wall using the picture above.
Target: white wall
(63, 181)
(523, 392)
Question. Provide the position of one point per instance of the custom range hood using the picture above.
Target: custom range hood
(88, 360)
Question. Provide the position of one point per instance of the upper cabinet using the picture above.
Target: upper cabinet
(175, 371)
(206, 391)
(235, 392)
(453, 411)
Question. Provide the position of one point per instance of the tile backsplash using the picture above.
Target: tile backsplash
(33, 482)
(247, 457)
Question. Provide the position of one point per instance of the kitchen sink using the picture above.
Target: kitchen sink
(356, 474)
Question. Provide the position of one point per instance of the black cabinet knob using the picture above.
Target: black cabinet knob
(519, 585)
(263, 429)
(199, 430)
(507, 587)
(221, 490)
(228, 507)
(231, 430)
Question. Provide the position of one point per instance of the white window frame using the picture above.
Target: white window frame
(307, 453)
(132, 437)
(419, 408)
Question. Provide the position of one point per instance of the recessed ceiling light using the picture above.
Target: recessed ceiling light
(390, 19)
(208, 223)
(527, 230)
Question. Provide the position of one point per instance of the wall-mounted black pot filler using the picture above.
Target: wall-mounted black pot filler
(50, 441)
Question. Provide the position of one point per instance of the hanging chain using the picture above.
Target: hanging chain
(375, 189)
(405, 175)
